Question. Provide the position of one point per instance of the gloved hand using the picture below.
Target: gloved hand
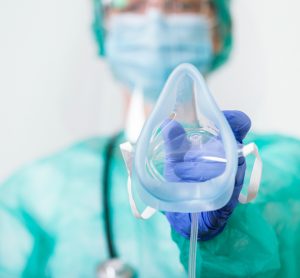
(184, 165)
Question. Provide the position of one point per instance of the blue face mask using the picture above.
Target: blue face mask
(142, 50)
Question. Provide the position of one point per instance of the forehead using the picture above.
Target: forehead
(204, 7)
(123, 3)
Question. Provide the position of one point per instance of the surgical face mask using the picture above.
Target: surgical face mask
(143, 49)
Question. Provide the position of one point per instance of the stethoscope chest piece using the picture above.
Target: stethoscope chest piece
(114, 268)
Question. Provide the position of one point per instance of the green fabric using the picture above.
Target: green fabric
(97, 26)
(261, 239)
(51, 221)
(52, 225)
(224, 30)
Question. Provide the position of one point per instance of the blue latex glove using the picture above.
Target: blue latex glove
(184, 165)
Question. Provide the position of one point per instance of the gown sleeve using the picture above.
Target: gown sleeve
(44, 201)
(25, 246)
(16, 244)
(261, 239)
(247, 247)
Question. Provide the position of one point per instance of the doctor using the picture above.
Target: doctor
(67, 215)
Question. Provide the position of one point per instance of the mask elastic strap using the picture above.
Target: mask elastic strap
(146, 213)
(255, 175)
(127, 152)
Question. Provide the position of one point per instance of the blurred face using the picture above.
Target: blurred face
(146, 40)
(168, 7)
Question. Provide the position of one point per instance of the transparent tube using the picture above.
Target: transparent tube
(193, 245)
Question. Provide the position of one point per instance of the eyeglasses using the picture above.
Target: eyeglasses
(205, 7)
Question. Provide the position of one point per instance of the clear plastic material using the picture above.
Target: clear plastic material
(185, 159)
(199, 145)
(193, 246)
(186, 155)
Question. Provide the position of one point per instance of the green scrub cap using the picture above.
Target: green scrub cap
(225, 28)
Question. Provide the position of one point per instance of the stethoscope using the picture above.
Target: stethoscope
(114, 267)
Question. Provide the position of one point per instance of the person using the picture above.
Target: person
(63, 215)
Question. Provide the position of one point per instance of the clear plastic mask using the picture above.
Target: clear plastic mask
(186, 156)
(185, 133)
(185, 159)
(197, 138)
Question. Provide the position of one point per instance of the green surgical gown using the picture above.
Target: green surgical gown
(52, 220)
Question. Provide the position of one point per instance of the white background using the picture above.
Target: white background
(55, 91)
